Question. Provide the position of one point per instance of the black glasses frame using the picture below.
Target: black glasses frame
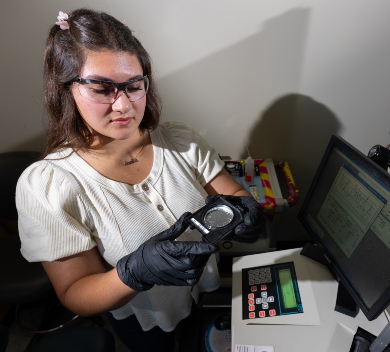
(119, 86)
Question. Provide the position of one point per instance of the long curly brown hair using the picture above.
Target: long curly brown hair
(65, 55)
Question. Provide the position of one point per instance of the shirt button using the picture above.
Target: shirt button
(145, 187)
(160, 207)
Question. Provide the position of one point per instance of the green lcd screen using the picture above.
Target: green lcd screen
(287, 288)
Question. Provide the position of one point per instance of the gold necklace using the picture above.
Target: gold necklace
(131, 161)
(134, 160)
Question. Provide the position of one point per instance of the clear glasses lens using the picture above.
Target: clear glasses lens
(107, 92)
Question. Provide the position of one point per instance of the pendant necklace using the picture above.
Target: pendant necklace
(132, 160)
(135, 160)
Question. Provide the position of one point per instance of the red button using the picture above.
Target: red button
(272, 312)
(252, 315)
(253, 288)
(251, 295)
(251, 308)
(251, 301)
(262, 314)
(263, 287)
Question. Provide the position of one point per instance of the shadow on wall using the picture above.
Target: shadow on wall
(296, 129)
(221, 95)
(36, 143)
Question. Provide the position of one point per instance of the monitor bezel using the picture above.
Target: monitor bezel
(338, 142)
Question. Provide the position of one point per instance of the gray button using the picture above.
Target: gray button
(160, 207)
(145, 187)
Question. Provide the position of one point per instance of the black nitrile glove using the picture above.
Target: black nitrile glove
(254, 218)
(163, 261)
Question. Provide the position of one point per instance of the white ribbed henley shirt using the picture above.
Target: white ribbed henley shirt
(58, 218)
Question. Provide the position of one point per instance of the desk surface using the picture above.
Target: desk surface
(335, 331)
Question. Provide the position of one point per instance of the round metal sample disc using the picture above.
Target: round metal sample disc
(218, 216)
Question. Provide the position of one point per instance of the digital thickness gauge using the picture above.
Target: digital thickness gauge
(269, 291)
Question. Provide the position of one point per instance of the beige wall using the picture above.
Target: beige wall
(283, 75)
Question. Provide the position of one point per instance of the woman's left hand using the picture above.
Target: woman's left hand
(254, 218)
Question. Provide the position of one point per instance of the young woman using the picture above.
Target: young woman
(106, 210)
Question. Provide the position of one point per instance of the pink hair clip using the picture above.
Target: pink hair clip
(131, 30)
(62, 20)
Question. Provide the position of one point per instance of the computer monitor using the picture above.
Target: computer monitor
(347, 213)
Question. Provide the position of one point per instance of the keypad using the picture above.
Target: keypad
(263, 294)
(258, 279)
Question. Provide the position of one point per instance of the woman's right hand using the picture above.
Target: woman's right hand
(163, 261)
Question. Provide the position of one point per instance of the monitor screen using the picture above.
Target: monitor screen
(347, 212)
